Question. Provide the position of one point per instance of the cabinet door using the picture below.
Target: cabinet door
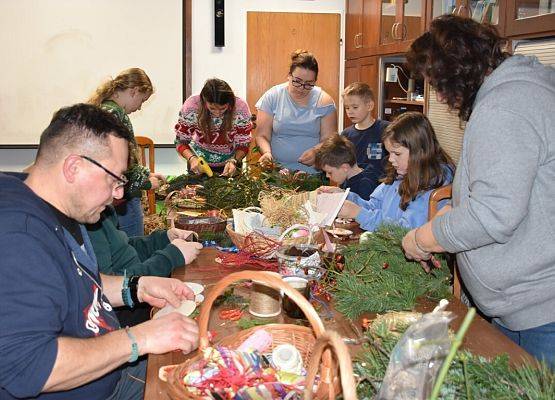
(366, 70)
(530, 18)
(483, 11)
(401, 21)
(413, 22)
(353, 27)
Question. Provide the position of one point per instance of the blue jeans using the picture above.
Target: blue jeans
(539, 341)
(130, 217)
(131, 385)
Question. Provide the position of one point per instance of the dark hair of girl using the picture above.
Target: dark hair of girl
(303, 59)
(219, 92)
(456, 54)
(427, 160)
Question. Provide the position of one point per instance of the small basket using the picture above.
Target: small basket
(298, 265)
(302, 337)
(333, 340)
(261, 241)
(200, 224)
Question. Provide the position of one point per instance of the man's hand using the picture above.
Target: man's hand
(158, 291)
(308, 157)
(265, 158)
(170, 332)
(189, 250)
(349, 210)
(174, 233)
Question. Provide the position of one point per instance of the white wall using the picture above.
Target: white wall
(228, 63)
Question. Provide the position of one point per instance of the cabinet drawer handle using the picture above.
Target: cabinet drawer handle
(393, 30)
(358, 44)
(404, 31)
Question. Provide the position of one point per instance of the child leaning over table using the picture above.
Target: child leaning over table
(336, 157)
(416, 166)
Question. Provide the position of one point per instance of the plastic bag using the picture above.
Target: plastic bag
(417, 358)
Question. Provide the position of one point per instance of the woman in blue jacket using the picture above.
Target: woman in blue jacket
(416, 166)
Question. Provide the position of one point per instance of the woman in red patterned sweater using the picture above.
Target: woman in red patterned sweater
(215, 125)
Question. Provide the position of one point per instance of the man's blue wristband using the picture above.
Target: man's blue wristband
(134, 346)
(126, 292)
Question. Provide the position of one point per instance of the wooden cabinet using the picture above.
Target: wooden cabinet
(530, 18)
(484, 11)
(365, 69)
(361, 35)
(400, 22)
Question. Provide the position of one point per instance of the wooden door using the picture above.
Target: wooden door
(272, 37)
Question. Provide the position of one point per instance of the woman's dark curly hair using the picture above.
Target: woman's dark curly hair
(456, 54)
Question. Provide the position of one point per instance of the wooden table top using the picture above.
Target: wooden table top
(481, 339)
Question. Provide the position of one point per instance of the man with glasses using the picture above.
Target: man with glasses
(60, 338)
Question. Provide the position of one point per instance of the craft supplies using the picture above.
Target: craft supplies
(197, 288)
(300, 260)
(265, 301)
(287, 358)
(260, 341)
(289, 306)
(186, 308)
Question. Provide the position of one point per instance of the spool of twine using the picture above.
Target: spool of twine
(265, 301)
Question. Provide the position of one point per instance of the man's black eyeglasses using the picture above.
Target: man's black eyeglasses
(299, 83)
(121, 179)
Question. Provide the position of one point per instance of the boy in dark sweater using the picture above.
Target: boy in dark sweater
(366, 132)
(336, 157)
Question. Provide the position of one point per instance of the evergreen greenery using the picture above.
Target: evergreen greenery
(378, 278)
(469, 376)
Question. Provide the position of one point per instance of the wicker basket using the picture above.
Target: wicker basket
(200, 224)
(333, 340)
(302, 337)
(239, 239)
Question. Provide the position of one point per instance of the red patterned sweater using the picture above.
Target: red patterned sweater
(218, 149)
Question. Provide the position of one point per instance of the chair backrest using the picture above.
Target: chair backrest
(144, 143)
(442, 193)
(437, 195)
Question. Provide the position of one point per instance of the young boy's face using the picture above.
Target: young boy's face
(357, 108)
(337, 174)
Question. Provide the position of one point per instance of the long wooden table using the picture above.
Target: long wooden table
(481, 339)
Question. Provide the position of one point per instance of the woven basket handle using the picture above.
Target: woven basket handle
(271, 279)
(333, 340)
(252, 209)
(297, 226)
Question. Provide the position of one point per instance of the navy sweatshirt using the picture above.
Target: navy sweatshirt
(49, 287)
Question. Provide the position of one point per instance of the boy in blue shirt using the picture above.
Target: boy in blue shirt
(336, 157)
(366, 132)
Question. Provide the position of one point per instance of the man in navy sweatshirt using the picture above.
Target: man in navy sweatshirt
(59, 336)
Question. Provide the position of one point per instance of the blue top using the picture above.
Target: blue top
(362, 184)
(383, 206)
(50, 287)
(295, 128)
(370, 152)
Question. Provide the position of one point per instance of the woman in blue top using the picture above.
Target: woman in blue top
(295, 117)
(416, 166)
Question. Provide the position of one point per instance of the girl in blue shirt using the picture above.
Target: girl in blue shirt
(416, 166)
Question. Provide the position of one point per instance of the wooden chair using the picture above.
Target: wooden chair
(145, 143)
(442, 193)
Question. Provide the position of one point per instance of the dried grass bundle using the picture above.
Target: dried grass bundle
(284, 207)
